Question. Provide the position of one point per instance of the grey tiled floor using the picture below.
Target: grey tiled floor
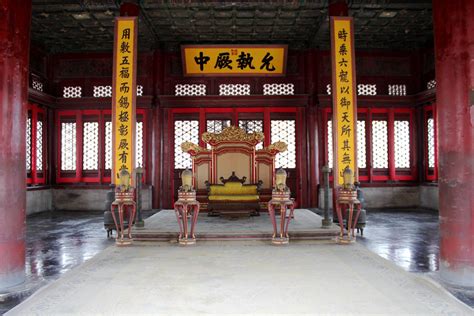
(59, 241)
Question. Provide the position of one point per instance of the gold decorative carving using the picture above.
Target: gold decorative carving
(188, 147)
(232, 133)
(124, 180)
(277, 147)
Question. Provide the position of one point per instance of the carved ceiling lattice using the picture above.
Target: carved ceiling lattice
(87, 25)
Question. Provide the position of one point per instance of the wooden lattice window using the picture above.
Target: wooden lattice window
(184, 130)
(402, 143)
(361, 144)
(90, 151)
(430, 141)
(68, 146)
(139, 150)
(28, 143)
(35, 145)
(390, 144)
(85, 145)
(285, 130)
(379, 144)
(251, 126)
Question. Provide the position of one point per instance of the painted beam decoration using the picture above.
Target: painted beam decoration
(234, 60)
(344, 97)
(124, 95)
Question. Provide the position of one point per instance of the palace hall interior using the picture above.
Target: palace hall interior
(236, 157)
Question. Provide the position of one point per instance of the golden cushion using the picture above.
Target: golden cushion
(233, 188)
(245, 198)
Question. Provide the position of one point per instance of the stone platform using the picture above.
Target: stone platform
(305, 226)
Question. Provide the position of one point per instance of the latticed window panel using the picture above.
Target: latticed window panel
(328, 88)
(431, 84)
(431, 142)
(285, 130)
(39, 146)
(278, 89)
(139, 150)
(330, 144)
(106, 91)
(108, 145)
(68, 146)
(216, 126)
(72, 92)
(184, 130)
(379, 144)
(190, 89)
(397, 89)
(139, 90)
(102, 91)
(361, 145)
(139, 145)
(90, 151)
(251, 126)
(366, 89)
(28, 144)
(402, 144)
(234, 89)
(37, 85)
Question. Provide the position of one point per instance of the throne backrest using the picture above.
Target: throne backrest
(233, 150)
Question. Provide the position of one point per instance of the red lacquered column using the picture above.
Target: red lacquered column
(14, 52)
(454, 49)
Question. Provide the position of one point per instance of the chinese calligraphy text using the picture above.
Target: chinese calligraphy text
(123, 99)
(236, 60)
(344, 97)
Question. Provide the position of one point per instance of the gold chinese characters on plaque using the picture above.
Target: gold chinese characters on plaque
(344, 97)
(124, 95)
(234, 60)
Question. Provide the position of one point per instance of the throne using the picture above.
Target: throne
(232, 176)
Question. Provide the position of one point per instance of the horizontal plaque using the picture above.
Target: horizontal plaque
(234, 60)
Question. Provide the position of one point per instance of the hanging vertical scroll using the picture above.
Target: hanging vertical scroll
(124, 95)
(344, 97)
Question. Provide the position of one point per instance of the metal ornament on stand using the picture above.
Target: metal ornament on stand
(138, 180)
(347, 197)
(186, 207)
(326, 221)
(123, 202)
(281, 197)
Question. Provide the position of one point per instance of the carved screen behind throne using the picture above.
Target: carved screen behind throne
(228, 162)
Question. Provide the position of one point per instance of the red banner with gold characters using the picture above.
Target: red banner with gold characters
(344, 97)
(234, 60)
(124, 95)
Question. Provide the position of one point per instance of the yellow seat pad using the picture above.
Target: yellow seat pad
(233, 188)
(245, 198)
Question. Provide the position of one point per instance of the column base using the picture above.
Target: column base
(123, 242)
(18, 292)
(461, 277)
(280, 240)
(187, 242)
(7, 281)
(345, 239)
(326, 223)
